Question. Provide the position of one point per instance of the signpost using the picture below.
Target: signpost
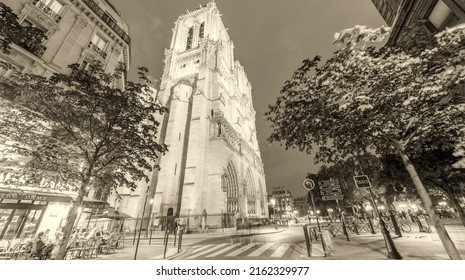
(362, 182)
(331, 190)
(310, 185)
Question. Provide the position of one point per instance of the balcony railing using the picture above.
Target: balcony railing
(98, 50)
(49, 12)
(121, 67)
(109, 21)
(32, 41)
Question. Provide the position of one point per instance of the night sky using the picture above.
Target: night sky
(271, 38)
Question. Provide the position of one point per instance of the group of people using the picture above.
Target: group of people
(44, 247)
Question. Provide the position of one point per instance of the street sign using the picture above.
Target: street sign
(309, 184)
(330, 190)
(328, 183)
(332, 197)
(362, 182)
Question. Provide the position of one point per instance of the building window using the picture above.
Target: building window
(190, 37)
(50, 7)
(99, 42)
(87, 66)
(442, 16)
(35, 39)
(98, 45)
(202, 30)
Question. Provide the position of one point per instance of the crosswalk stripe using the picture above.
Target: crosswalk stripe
(207, 251)
(260, 250)
(240, 250)
(280, 251)
(223, 250)
(202, 247)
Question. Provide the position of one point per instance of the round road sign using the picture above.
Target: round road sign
(309, 184)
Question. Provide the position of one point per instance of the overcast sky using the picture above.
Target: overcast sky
(271, 38)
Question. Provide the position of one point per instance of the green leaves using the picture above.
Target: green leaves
(79, 127)
(364, 98)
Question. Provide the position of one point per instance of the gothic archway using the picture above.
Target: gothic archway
(261, 198)
(231, 187)
(250, 192)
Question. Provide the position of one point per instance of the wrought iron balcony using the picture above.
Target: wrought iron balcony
(32, 41)
(97, 50)
(49, 12)
(108, 20)
(121, 67)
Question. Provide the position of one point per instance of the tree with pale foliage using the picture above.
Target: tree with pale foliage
(81, 130)
(389, 100)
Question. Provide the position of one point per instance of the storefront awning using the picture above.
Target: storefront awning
(94, 203)
(33, 195)
(18, 194)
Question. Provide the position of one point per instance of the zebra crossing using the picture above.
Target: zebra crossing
(251, 250)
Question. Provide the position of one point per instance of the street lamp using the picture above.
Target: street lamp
(147, 192)
(273, 202)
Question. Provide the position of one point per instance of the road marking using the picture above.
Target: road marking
(223, 250)
(207, 251)
(260, 250)
(280, 251)
(240, 250)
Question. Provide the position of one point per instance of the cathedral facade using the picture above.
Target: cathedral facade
(213, 174)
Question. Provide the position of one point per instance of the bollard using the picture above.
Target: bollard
(165, 237)
(370, 223)
(135, 232)
(344, 229)
(166, 243)
(180, 240)
(308, 241)
(175, 235)
(134, 239)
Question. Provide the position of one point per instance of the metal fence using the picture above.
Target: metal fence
(191, 223)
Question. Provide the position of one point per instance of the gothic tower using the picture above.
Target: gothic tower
(213, 172)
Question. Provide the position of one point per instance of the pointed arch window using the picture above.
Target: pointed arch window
(202, 30)
(251, 193)
(231, 187)
(190, 38)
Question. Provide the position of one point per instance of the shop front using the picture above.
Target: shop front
(21, 212)
(24, 213)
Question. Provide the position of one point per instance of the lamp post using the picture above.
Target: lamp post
(147, 192)
(273, 202)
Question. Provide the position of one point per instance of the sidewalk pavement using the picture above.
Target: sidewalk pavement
(144, 252)
(411, 246)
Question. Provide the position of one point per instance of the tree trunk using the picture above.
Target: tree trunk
(449, 246)
(455, 202)
(70, 219)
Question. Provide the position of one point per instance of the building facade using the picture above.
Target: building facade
(431, 15)
(213, 173)
(302, 206)
(86, 32)
(282, 202)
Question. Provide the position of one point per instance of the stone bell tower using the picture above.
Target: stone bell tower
(213, 173)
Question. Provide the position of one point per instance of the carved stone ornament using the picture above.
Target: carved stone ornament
(40, 18)
(81, 19)
(116, 49)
